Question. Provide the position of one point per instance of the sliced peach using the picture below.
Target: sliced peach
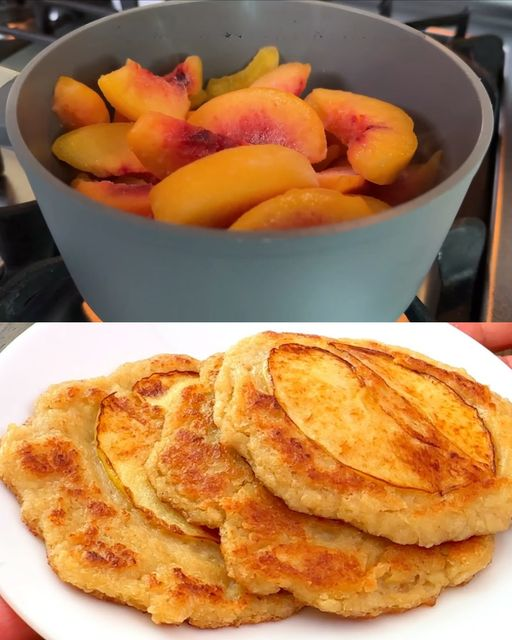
(163, 143)
(100, 149)
(118, 117)
(292, 77)
(133, 198)
(189, 73)
(199, 99)
(379, 136)
(77, 105)
(264, 61)
(216, 190)
(334, 152)
(341, 177)
(133, 90)
(414, 180)
(300, 208)
(265, 116)
(147, 179)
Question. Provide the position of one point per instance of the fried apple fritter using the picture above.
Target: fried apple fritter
(325, 563)
(95, 538)
(392, 442)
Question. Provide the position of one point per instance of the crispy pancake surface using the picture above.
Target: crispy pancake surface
(129, 424)
(396, 444)
(95, 538)
(189, 468)
(325, 563)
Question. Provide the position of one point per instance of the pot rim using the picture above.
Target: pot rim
(467, 168)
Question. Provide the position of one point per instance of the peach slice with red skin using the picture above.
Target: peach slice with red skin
(100, 149)
(133, 91)
(380, 136)
(341, 177)
(265, 116)
(214, 191)
(164, 144)
(189, 73)
(77, 105)
(299, 208)
(133, 198)
(414, 180)
(291, 77)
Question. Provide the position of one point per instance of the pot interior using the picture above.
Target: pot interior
(349, 50)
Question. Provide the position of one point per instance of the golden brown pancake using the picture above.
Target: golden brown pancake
(325, 563)
(129, 425)
(188, 467)
(333, 566)
(394, 443)
(96, 539)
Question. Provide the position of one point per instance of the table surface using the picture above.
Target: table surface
(11, 330)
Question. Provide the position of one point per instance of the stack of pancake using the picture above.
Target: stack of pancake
(290, 471)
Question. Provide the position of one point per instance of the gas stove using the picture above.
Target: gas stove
(471, 277)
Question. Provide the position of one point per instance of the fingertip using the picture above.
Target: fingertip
(12, 627)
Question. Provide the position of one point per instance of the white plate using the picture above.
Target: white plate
(50, 353)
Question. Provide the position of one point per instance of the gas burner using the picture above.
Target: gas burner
(437, 25)
(41, 292)
(458, 20)
(43, 21)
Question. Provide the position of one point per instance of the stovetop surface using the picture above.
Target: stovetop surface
(470, 280)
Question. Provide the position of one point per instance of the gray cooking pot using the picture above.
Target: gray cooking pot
(129, 268)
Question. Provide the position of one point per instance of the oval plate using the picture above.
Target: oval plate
(49, 353)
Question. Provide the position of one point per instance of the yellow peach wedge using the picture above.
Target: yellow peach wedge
(380, 136)
(264, 116)
(133, 91)
(292, 77)
(299, 208)
(264, 61)
(133, 198)
(100, 149)
(214, 191)
(341, 177)
(77, 105)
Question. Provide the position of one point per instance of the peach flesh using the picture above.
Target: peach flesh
(265, 116)
(164, 144)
